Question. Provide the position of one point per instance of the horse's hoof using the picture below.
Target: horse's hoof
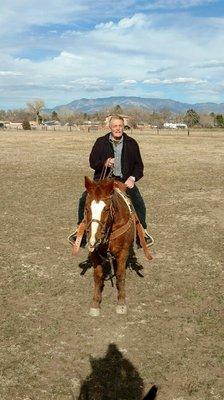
(94, 312)
(121, 309)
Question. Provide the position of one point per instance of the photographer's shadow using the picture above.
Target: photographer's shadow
(114, 378)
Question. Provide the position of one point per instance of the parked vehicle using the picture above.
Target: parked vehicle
(2, 125)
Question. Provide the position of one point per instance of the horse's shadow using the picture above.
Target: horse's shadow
(114, 378)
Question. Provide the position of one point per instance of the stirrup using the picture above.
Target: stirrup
(148, 240)
(72, 239)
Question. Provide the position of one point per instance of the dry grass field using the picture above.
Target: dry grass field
(173, 333)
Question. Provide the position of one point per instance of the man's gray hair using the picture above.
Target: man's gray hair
(116, 117)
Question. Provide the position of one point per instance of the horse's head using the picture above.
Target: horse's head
(98, 210)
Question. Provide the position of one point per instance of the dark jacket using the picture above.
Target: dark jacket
(131, 161)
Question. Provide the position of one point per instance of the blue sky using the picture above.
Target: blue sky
(63, 50)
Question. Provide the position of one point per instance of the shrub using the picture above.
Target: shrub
(26, 125)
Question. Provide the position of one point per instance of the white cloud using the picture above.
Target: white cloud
(92, 84)
(10, 73)
(181, 80)
(92, 61)
(137, 20)
(25, 13)
(158, 70)
(153, 81)
(210, 64)
(172, 4)
(129, 81)
(70, 56)
(184, 80)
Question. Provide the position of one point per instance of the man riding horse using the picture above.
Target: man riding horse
(117, 155)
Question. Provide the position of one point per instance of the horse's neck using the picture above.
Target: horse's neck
(121, 208)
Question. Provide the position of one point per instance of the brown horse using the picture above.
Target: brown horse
(110, 227)
(110, 222)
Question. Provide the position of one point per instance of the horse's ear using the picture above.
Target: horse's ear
(88, 183)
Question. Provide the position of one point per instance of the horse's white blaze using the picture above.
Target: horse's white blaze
(96, 209)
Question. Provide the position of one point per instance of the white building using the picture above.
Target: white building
(171, 125)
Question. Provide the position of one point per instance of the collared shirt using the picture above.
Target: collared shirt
(117, 147)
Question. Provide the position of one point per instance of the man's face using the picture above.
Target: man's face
(117, 128)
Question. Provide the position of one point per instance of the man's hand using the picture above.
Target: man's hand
(109, 163)
(130, 182)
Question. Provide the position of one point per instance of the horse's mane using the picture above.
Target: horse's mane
(101, 189)
(120, 199)
(98, 193)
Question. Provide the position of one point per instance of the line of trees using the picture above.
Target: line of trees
(35, 111)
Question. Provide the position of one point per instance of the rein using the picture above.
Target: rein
(104, 171)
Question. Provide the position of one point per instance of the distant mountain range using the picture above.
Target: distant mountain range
(150, 104)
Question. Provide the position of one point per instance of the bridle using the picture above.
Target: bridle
(105, 226)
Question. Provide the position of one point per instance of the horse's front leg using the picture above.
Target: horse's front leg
(98, 288)
(120, 281)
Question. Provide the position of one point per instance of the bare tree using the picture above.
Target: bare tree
(66, 116)
(166, 115)
(207, 120)
(36, 106)
(15, 115)
(3, 115)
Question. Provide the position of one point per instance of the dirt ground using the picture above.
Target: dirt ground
(173, 333)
